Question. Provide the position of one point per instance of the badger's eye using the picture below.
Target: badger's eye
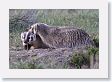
(28, 37)
(32, 32)
(31, 38)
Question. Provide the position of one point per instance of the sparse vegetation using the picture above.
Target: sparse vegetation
(80, 59)
(95, 37)
(25, 65)
(93, 51)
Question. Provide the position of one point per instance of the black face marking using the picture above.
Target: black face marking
(31, 38)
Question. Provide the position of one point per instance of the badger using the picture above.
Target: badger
(30, 40)
(61, 37)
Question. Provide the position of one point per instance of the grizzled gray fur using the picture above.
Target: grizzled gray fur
(61, 37)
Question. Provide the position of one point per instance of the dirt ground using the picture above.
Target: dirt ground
(47, 59)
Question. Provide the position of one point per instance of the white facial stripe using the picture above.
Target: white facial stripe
(27, 35)
(34, 37)
(23, 34)
(24, 44)
(30, 38)
(35, 29)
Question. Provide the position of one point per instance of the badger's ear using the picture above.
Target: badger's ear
(22, 34)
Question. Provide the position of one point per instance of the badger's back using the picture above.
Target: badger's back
(66, 38)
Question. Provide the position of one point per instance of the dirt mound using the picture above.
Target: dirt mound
(61, 58)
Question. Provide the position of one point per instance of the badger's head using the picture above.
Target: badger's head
(27, 39)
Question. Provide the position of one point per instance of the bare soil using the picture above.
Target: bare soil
(46, 59)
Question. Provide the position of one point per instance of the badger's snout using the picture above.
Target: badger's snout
(27, 47)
